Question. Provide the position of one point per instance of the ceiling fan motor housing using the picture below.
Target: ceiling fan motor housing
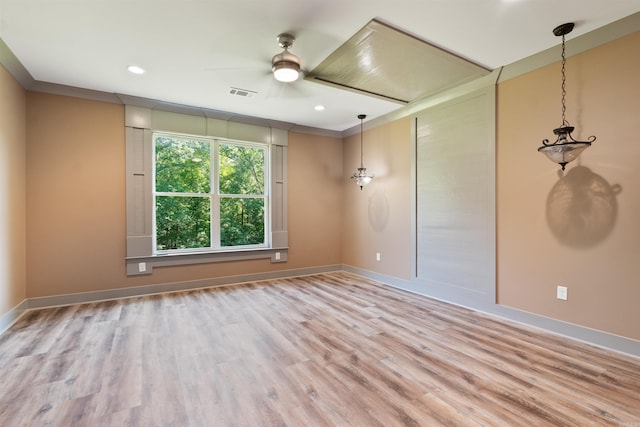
(285, 40)
(285, 59)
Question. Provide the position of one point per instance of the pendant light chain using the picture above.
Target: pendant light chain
(361, 152)
(564, 91)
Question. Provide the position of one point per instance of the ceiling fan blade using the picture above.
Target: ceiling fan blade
(286, 90)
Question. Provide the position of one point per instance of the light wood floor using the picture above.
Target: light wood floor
(324, 350)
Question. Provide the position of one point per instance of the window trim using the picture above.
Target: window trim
(140, 122)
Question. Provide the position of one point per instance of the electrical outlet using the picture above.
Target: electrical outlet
(142, 267)
(377, 256)
(561, 293)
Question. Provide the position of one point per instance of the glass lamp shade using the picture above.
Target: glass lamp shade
(565, 149)
(362, 178)
(285, 67)
(565, 153)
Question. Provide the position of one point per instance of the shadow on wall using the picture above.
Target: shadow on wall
(582, 208)
(378, 210)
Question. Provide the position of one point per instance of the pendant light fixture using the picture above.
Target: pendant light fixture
(360, 175)
(565, 148)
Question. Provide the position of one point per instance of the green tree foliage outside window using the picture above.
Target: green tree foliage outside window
(241, 173)
(241, 221)
(183, 222)
(187, 202)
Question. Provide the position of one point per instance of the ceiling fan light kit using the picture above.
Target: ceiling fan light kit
(565, 148)
(285, 65)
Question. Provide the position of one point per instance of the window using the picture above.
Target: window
(209, 194)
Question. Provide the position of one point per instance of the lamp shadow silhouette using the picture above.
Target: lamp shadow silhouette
(378, 210)
(582, 208)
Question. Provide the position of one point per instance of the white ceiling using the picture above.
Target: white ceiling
(194, 50)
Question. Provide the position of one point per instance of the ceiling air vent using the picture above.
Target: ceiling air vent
(242, 92)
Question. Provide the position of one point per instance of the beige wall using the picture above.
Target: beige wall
(75, 195)
(579, 231)
(12, 193)
(315, 197)
(76, 202)
(378, 218)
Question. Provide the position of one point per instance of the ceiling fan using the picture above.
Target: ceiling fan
(274, 83)
(285, 65)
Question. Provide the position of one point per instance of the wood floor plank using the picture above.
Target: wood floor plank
(324, 350)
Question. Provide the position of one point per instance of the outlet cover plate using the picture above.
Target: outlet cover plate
(561, 293)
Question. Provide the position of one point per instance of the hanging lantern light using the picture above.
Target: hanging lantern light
(565, 148)
(360, 175)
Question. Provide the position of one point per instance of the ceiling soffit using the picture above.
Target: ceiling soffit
(382, 61)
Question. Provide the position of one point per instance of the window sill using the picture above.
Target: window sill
(137, 266)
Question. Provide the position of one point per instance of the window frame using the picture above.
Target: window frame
(214, 195)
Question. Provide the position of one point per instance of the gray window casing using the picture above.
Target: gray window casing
(140, 122)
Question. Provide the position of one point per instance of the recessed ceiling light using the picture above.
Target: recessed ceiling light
(319, 107)
(135, 69)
